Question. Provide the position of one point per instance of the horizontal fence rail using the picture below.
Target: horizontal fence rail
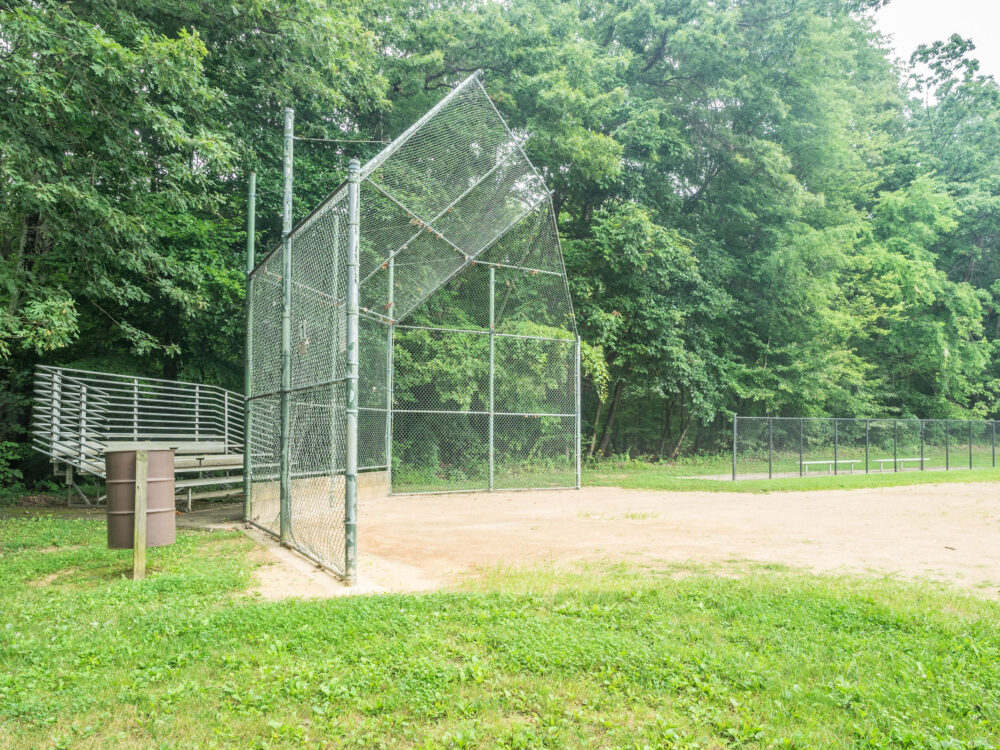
(77, 415)
(769, 447)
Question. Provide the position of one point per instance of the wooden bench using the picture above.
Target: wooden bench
(882, 461)
(829, 464)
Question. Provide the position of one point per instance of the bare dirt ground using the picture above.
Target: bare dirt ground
(946, 532)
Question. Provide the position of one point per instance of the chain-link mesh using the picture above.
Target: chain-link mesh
(767, 447)
(468, 360)
(316, 508)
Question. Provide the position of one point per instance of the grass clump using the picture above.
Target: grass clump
(592, 657)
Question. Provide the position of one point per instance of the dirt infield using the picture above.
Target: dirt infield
(945, 532)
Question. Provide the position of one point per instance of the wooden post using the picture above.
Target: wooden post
(139, 518)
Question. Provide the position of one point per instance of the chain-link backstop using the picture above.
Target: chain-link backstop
(417, 326)
(767, 447)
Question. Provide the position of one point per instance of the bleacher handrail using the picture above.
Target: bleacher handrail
(77, 413)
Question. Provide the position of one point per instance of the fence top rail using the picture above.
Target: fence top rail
(113, 392)
(862, 419)
(119, 379)
(486, 332)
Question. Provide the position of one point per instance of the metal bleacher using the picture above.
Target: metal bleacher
(78, 415)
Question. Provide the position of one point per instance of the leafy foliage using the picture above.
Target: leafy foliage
(760, 213)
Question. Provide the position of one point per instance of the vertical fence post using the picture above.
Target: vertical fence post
(285, 457)
(82, 447)
(993, 441)
(801, 425)
(836, 444)
(390, 336)
(734, 445)
(868, 424)
(135, 408)
(895, 444)
(492, 369)
(921, 423)
(770, 446)
(225, 421)
(351, 469)
(55, 425)
(947, 444)
(970, 443)
(139, 516)
(248, 342)
(579, 426)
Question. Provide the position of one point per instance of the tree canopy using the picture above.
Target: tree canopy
(761, 213)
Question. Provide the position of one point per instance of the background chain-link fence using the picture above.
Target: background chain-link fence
(767, 447)
(468, 356)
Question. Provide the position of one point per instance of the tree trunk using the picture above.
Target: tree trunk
(680, 440)
(609, 425)
(597, 424)
(665, 431)
(17, 263)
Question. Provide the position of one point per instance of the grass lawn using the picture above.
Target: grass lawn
(678, 477)
(593, 657)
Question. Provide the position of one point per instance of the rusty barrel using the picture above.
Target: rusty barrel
(160, 512)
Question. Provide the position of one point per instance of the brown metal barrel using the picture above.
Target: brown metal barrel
(160, 510)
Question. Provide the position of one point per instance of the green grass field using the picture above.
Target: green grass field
(591, 657)
(682, 477)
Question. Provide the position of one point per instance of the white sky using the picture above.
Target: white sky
(915, 22)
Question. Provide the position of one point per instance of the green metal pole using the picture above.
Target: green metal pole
(868, 428)
(285, 458)
(947, 445)
(578, 421)
(390, 334)
(801, 422)
(770, 447)
(492, 364)
(895, 445)
(735, 417)
(970, 443)
(836, 445)
(248, 353)
(921, 445)
(351, 469)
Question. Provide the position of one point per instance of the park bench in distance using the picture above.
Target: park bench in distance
(829, 464)
(882, 462)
